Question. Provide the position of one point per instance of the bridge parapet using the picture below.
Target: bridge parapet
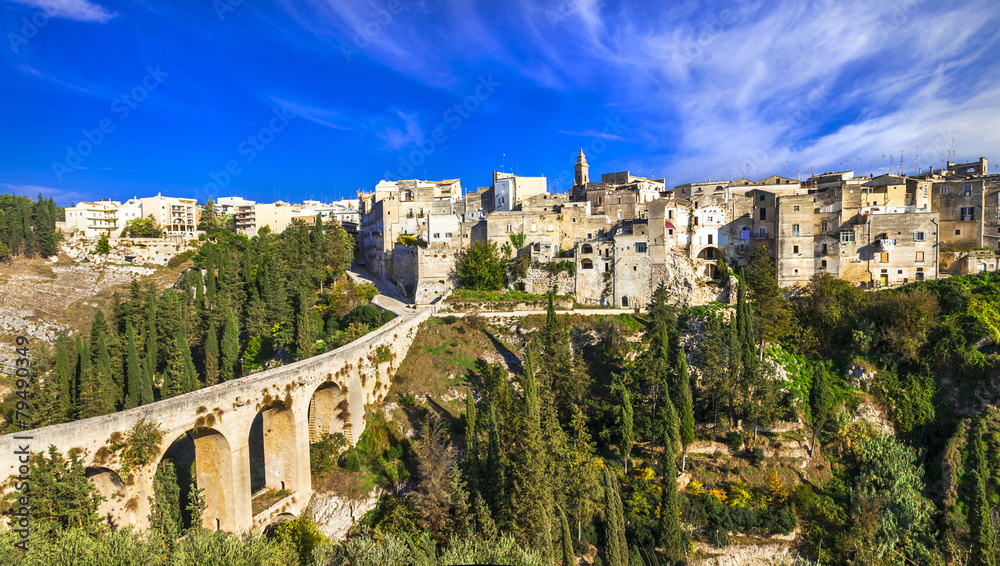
(337, 387)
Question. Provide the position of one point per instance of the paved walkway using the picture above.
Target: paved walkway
(388, 297)
(584, 312)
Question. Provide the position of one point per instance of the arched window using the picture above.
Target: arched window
(407, 196)
(587, 264)
(587, 249)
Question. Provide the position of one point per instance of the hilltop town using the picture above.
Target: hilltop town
(625, 235)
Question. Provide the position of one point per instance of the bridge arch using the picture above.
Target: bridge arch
(329, 412)
(273, 450)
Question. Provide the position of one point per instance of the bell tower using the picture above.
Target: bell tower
(582, 170)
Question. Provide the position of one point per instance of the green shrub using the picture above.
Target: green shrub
(180, 258)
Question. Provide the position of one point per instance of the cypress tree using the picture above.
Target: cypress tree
(305, 332)
(190, 373)
(230, 347)
(627, 425)
(484, 521)
(210, 277)
(670, 425)
(133, 370)
(685, 405)
(175, 378)
(212, 354)
(199, 290)
(985, 548)
(80, 371)
(567, 542)
(64, 375)
(819, 404)
(531, 497)
(165, 514)
(615, 547)
(496, 470)
(152, 340)
(146, 387)
(669, 529)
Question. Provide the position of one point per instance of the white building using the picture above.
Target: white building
(510, 189)
(175, 216)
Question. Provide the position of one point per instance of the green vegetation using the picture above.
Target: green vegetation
(248, 303)
(28, 228)
(143, 228)
(481, 268)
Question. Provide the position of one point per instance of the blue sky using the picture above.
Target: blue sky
(319, 98)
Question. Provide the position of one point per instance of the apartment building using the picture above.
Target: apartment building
(175, 216)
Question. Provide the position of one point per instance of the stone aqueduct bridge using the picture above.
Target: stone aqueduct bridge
(327, 393)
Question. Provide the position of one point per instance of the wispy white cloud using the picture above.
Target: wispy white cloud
(80, 10)
(319, 115)
(606, 135)
(62, 197)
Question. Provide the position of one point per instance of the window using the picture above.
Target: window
(823, 250)
(968, 214)
(968, 189)
(761, 198)
(885, 257)
(587, 249)
(710, 239)
(670, 231)
(640, 247)
(670, 214)
(447, 234)
(822, 264)
(920, 236)
(899, 272)
(635, 268)
(534, 227)
(763, 214)
(795, 229)
(958, 232)
(761, 232)
(795, 271)
(824, 226)
(437, 235)
(587, 264)
(944, 189)
(795, 249)
(795, 208)
(846, 236)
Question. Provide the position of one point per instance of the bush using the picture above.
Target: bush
(324, 454)
(450, 319)
(480, 267)
(369, 315)
(180, 258)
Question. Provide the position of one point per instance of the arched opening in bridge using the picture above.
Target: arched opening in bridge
(194, 477)
(273, 457)
(108, 484)
(202, 463)
(328, 412)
